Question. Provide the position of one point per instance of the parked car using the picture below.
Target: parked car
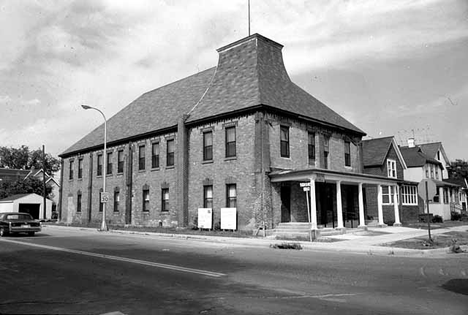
(18, 222)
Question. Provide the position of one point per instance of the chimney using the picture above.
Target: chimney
(411, 143)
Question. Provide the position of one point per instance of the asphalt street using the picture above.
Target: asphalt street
(75, 271)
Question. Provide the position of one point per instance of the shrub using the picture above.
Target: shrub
(455, 216)
(437, 219)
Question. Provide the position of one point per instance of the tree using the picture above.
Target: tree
(23, 158)
(458, 169)
(24, 186)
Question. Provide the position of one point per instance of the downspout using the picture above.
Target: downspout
(61, 191)
(90, 187)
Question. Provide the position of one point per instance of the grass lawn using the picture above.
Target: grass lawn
(444, 240)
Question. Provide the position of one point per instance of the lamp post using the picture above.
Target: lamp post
(103, 224)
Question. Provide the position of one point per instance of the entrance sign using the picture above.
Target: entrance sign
(431, 189)
(304, 184)
(306, 188)
(104, 197)
(228, 218)
(205, 218)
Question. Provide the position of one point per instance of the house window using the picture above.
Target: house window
(116, 200)
(432, 171)
(141, 157)
(146, 200)
(101, 204)
(436, 197)
(284, 141)
(438, 155)
(311, 147)
(231, 196)
(326, 150)
(208, 196)
(170, 152)
(99, 165)
(391, 169)
(208, 146)
(437, 172)
(347, 153)
(155, 155)
(387, 195)
(427, 170)
(230, 142)
(80, 168)
(446, 195)
(70, 174)
(78, 202)
(409, 195)
(165, 199)
(120, 161)
(109, 163)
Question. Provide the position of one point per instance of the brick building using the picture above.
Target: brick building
(239, 135)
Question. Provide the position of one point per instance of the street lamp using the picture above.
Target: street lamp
(103, 224)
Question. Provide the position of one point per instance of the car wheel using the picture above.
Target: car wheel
(31, 233)
(2, 232)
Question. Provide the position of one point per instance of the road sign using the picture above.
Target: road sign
(104, 197)
(431, 189)
(306, 188)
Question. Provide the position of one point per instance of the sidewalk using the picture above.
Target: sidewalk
(362, 243)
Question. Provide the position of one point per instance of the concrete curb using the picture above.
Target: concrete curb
(348, 247)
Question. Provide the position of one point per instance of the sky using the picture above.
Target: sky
(392, 68)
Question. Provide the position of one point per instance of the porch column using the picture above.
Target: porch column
(313, 205)
(339, 205)
(395, 205)
(362, 220)
(379, 204)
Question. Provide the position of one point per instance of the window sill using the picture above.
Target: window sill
(164, 211)
(231, 158)
(170, 167)
(155, 169)
(207, 162)
(146, 212)
(141, 171)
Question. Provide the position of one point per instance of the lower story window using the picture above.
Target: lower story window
(409, 195)
(388, 193)
(165, 199)
(231, 196)
(208, 196)
(146, 200)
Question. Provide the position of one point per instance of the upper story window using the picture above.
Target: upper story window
(170, 152)
(426, 168)
(146, 199)
(109, 163)
(155, 155)
(80, 168)
(432, 171)
(437, 172)
(231, 141)
(165, 199)
(311, 147)
(284, 141)
(208, 146)
(70, 174)
(208, 196)
(438, 155)
(99, 165)
(141, 157)
(120, 161)
(231, 196)
(391, 168)
(326, 150)
(347, 153)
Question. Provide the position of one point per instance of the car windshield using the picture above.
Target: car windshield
(19, 217)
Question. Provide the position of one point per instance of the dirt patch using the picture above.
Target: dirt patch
(444, 240)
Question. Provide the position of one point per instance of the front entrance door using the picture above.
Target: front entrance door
(285, 204)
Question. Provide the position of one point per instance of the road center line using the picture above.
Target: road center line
(117, 258)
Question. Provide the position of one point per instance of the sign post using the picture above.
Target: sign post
(427, 190)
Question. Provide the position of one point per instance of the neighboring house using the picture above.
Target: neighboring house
(436, 151)
(30, 203)
(240, 135)
(382, 156)
(50, 180)
(462, 194)
(430, 165)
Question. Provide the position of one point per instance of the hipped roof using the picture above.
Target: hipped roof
(250, 75)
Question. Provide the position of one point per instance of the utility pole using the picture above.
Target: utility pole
(44, 179)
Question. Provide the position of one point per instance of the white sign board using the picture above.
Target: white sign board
(205, 218)
(228, 218)
(304, 184)
(104, 197)
(431, 189)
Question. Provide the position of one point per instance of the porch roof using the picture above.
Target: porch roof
(324, 175)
